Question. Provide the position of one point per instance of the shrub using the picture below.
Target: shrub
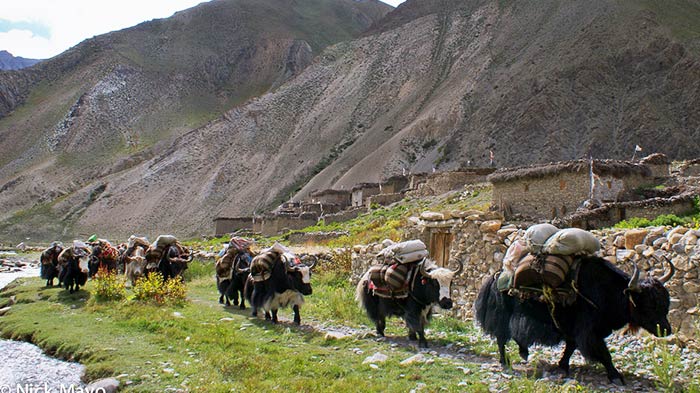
(340, 262)
(154, 288)
(108, 286)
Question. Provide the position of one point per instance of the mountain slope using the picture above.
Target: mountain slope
(438, 83)
(118, 99)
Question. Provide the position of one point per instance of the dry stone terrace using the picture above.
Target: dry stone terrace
(479, 240)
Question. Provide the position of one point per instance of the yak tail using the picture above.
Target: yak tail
(360, 290)
(493, 310)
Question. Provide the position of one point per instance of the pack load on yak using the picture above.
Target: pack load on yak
(167, 256)
(391, 277)
(262, 264)
(232, 269)
(545, 259)
(236, 247)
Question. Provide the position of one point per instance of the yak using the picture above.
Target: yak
(607, 299)
(104, 255)
(429, 285)
(135, 263)
(73, 262)
(49, 263)
(284, 284)
(234, 284)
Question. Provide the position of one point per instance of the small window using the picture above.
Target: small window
(562, 184)
(527, 187)
(609, 184)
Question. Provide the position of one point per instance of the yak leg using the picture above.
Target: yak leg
(380, 324)
(242, 306)
(274, 316)
(523, 350)
(268, 316)
(566, 356)
(297, 317)
(411, 333)
(415, 326)
(503, 355)
(597, 350)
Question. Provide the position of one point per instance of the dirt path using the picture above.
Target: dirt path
(542, 364)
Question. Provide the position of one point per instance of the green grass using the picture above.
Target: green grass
(205, 347)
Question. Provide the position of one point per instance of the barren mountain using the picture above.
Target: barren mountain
(436, 83)
(116, 100)
(10, 62)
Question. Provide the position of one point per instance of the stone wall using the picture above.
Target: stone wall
(314, 237)
(274, 225)
(442, 182)
(533, 197)
(223, 225)
(479, 243)
(342, 216)
(385, 199)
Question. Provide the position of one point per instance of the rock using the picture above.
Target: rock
(619, 241)
(106, 385)
(634, 237)
(676, 231)
(689, 239)
(491, 226)
(640, 248)
(417, 358)
(177, 314)
(12, 301)
(648, 252)
(623, 255)
(678, 248)
(376, 358)
(505, 232)
(659, 242)
(432, 216)
(473, 217)
(333, 335)
(4, 310)
(690, 287)
(674, 238)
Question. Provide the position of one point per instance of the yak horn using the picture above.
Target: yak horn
(459, 269)
(668, 274)
(309, 260)
(634, 281)
(423, 271)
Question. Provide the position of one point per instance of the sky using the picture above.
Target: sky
(40, 29)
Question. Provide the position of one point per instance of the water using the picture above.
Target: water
(26, 368)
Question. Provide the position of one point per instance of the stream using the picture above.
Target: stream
(25, 368)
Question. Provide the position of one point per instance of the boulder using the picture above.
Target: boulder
(107, 385)
(491, 226)
(634, 237)
(432, 216)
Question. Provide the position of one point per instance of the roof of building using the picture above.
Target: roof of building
(655, 159)
(329, 192)
(600, 167)
(361, 186)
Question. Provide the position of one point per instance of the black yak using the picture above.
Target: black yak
(282, 281)
(429, 285)
(49, 263)
(607, 299)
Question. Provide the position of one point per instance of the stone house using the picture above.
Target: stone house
(548, 191)
(690, 168)
(224, 225)
(362, 191)
(659, 165)
(395, 184)
(341, 198)
(439, 183)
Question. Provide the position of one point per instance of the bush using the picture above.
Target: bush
(662, 220)
(108, 286)
(153, 288)
(340, 262)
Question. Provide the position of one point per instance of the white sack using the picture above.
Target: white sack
(572, 241)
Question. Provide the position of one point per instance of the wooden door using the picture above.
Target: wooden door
(440, 243)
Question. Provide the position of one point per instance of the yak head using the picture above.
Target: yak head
(299, 274)
(649, 302)
(433, 285)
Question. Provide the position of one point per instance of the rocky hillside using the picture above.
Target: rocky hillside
(10, 62)
(436, 83)
(116, 100)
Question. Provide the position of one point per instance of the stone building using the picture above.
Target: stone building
(224, 225)
(659, 165)
(272, 225)
(395, 184)
(362, 191)
(690, 168)
(548, 191)
(340, 198)
(439, 183)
